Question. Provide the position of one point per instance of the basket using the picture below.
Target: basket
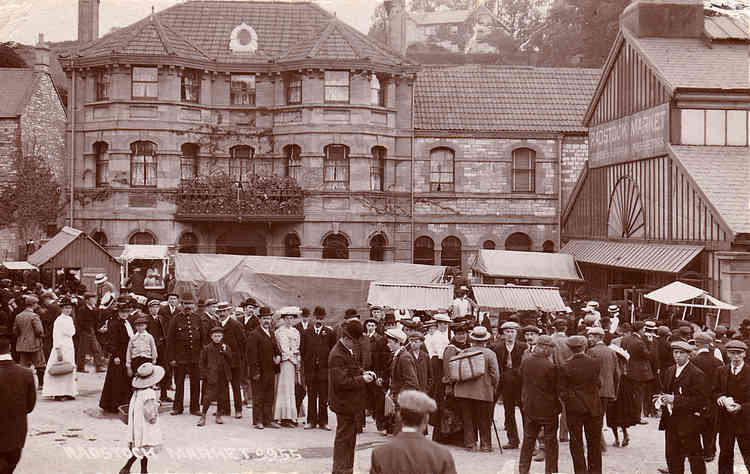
(122, 410)
(467, 366)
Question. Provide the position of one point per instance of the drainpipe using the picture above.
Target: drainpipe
(559, 190)
(413, 124)
(72, 145)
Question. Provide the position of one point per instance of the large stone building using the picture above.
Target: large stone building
(274, 128)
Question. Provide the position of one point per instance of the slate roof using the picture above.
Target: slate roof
(722, 174)
(201, 30)
(503, 98)
(722, 27)
(16, 87)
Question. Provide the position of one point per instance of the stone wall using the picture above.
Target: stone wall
(575, 153)
(10, 135)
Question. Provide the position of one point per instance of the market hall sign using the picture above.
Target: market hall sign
(641, 135)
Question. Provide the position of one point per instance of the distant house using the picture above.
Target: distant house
(32, 122)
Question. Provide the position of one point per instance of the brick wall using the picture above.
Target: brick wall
(575, 153)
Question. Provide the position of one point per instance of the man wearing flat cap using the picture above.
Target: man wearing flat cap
(29, 333)
(560, 355)
(732, 396)
(509, 352)
(609, 368)
(684, 401)
(705, 359)
(404, 375)
(409, 451)
(234, 337)
(158, 327)
(579, 391)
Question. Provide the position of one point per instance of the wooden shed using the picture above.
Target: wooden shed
(74, 250)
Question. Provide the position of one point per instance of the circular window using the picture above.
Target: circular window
(243, 39)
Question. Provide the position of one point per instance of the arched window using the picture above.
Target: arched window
(377, 168)
(488, 245)
(240, 163)
(519, 242)
(377, 248)
(100, 238)
(142, 238)
(524, 170)
(451, 254)
(293, 165)
(424, 251)
(143, 164)
(336, 164)
(441, 169)
(188, 243)
(292, 246)
(548, 246)
(101, 158)
(378, 90)
(189, 161)
(335, 246)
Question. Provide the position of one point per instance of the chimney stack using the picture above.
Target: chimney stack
(397, 26)
(41, 56)
(88, 20)
(664, 18)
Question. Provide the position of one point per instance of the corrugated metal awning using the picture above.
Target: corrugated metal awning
(519, 298)
(410, 296)
(641, 256)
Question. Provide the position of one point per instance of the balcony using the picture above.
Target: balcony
(256, 199)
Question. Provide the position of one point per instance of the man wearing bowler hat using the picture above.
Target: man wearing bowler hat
(316, 343)
(185, 340)
(732, 395)
(263, 358)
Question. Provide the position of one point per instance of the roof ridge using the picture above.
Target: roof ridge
(321, 38)
(379, 47)
(187, 41)
(160, 32)
(348, 38)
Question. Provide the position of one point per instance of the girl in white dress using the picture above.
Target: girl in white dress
(144, 431)
(288, 339)
(62, 386)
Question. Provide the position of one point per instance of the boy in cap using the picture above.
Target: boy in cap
(732, 396)
(409, 451)
(216, 372)
(141, 347)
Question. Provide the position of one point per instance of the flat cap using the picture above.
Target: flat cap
(351, 313)
(545, 341)
(416, 401)
(735, 345)
(595, 330)
(510, 325)
(721, 329)
(531, 328)
(211, 301)
(396, 334)
(682, 346)
(154, 303)
(576, 341)
(703, 338)
(217, 328)
(560, 323)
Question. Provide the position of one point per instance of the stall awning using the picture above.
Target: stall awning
(529, 265)
(519, 298)
(410, 296)
(144, 252)
(18, 265)
(633, 255)
(678, 293)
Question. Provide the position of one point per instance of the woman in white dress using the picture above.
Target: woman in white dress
(144, 431)
(288, 339)
(62, 386)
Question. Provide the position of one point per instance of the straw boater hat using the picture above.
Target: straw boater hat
(100, 278)
(509, 325)
(289, 311)
(480, 334)
(596, 330)
(442, 318)
(147, 375)
(223, 306)
(613, 308)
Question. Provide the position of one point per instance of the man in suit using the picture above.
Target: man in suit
(684, 402)
(29, 333)
(705, 359)
(88, 322)
(166, 314)
(609, 368)
(263, 358)
(159, 328)
(185, 340)
(301, 326)
(250, 323)
(732, 395)
(234, 337)
(17, 399)
(346, 393)
(560, 355)
(639, 366)
(409, 451)
(316, 343)
(579, 391)
(540, 399)
(509, 351)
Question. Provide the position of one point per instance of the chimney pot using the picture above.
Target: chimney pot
(41, 55)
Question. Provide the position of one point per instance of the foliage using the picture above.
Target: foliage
(32, 199)
(9, 57)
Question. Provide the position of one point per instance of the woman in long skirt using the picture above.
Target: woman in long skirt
(288, 339)
(63, 386)
(625, 411)
(117, 387)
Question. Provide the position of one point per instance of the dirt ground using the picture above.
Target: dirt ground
(75, 437)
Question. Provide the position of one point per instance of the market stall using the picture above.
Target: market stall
(152, 261)
(412, 296)
(690, 298)
(519, 298)
(509, 265)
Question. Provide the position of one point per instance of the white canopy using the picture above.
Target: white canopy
(18, 265)
(681, 294)
(144, 252)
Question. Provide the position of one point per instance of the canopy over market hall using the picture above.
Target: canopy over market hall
(665, 194)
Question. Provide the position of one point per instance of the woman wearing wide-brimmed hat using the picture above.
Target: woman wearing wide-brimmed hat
(61, 384)
(144, 431)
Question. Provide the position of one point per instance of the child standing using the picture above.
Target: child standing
(142, 346)
(215, 372)
(144, 437)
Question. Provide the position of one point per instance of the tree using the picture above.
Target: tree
(9, 57)
(379, 24)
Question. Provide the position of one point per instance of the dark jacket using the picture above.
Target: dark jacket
(251, 324)
(314, 350)
(540, 394)
(28, 331)
(215, 360)
(17, 399)
(381, 357)
(167, 314)
(404, 372)
(424, 370)
(510, 377)
(609, 370)
(234, 337)
(346, 385)
(579, 385)
(663, 353)
(261, 350)
(185, 338)
(737, 387)
(117, 338)
(639, 365)
(412, 453)
(159, 333)
(691, 398)
(87, 318)
(710, 366)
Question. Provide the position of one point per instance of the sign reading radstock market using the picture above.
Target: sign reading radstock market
(641, 135)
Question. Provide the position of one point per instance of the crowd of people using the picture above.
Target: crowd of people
(565, 373)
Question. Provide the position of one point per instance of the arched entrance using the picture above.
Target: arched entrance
(519, 242)
(241, 243)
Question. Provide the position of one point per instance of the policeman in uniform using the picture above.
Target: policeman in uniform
(185, 340)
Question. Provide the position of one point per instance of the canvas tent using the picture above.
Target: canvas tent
(283, 281)
(687, 296)
(519, 298)
(417, 296)
(527, 265)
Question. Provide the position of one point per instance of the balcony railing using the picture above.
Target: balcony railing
(256, 198)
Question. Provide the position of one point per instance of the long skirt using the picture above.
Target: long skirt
(286, 403)
(117, 387)
(451, 429)
(60, 385)
(625, 411)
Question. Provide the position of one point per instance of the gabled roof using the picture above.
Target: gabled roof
(502, 98)
(201, 30)
(58, 243)
(16, 88)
